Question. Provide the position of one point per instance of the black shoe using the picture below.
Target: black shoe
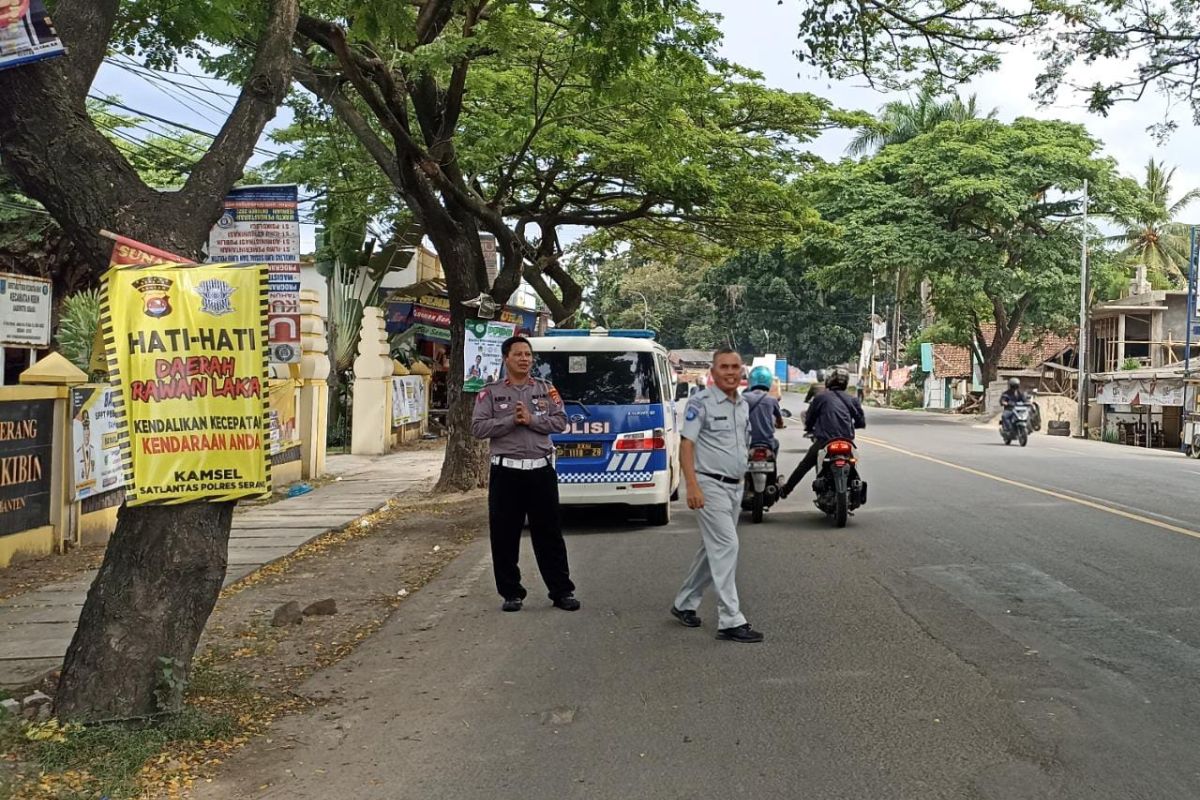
(567, 602)
(687, 618)
(742, 633)
(512, 604)
(784, 492)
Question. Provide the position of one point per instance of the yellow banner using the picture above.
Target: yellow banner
(187, 349)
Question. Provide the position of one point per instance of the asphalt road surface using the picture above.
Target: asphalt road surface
(997, 623)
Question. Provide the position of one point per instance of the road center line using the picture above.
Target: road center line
(1047, 492)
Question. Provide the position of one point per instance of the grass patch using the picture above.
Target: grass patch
(108, 760)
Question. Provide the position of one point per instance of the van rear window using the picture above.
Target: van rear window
(615, 379)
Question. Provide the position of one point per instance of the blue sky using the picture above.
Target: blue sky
(761, 34)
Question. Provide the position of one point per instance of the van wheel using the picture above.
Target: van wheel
(675, 493)
(659, 515)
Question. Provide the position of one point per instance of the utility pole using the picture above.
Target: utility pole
(1188, 394)
(894, 349)
(645, 310)
(1082, 349)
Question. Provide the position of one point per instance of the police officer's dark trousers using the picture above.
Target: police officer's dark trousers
(513, 495)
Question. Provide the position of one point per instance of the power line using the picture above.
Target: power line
(181, 126)
(155, 82)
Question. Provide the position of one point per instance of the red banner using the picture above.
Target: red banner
(127, 252)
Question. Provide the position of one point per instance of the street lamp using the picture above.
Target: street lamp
(646, 310)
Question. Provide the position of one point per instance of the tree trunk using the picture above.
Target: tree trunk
(163, 569)
(145, 612)
(465, 465)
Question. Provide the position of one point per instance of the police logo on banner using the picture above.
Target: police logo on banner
(154, 289)
(215, 297)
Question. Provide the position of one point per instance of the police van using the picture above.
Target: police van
(622, 443)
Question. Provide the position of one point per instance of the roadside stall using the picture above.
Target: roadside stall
(1143, 408)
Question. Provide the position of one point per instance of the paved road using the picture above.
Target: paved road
(968, 636)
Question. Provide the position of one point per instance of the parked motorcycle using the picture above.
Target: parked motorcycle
(1018, 425)
(762, 482)
(838, 486)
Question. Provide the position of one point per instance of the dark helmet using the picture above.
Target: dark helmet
(1014, 383)
(837, 379)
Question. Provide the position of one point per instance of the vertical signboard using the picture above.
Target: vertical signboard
(187, 349)
(26, 449)
(261, 225)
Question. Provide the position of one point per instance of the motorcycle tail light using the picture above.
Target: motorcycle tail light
(840, 447)
(760, 454)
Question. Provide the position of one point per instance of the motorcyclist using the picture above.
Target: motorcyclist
(765, 414)
(832, 415)
(1012, 395)
(817, 387)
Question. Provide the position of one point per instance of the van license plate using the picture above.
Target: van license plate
(580, 450)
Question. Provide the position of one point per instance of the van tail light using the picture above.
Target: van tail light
(642, 440)
(840, 447)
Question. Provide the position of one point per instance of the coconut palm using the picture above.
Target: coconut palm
(1154, 243)
(901, 120)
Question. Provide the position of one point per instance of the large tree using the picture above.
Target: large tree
(164, 566)
(522, 119)
(1146, 44)
(988, 213)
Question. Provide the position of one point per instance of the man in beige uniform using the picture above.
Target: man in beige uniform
(518, 414)
(716, 438)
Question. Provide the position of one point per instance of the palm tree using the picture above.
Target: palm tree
(1154, 242)
(901, 120)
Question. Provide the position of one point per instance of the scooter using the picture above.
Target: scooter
(838, 487)
(762, 482)
(1019, 427)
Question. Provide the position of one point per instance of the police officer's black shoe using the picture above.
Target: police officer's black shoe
(742, 633)
(567, 602)
(511, 604)
(686, 618)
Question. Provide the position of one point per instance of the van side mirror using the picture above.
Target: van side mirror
(681, 391)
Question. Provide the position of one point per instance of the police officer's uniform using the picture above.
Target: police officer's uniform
(720, 430)
(523, 482)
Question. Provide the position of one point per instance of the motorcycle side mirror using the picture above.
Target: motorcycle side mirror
(681, 391)
(785, 412)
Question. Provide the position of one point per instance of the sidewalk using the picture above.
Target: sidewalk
(36, 627)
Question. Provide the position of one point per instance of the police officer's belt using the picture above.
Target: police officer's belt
(520, 463)
(721, 478)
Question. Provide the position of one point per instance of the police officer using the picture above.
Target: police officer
(716, 435)
(518, 414)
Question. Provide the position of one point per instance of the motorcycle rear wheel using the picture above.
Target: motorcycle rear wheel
(841, 511)
(756, 508)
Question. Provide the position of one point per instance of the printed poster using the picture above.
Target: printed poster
(26, 33)
(408, 400)
(24, 310)
(261, 225)
(187, 349)
(482, 358)
(97, 456)
(283, 433)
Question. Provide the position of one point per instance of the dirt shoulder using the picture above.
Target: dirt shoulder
(247, 671)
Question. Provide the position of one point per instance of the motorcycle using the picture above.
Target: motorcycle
(762, 482)
(1019, 427)
(838, 486)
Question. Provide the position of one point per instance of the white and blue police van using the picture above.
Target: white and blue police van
(622, 443)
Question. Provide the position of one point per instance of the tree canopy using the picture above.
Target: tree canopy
(987, 212)
(1154, 44)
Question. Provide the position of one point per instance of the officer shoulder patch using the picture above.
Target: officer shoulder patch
(691, 414)
(479, 398)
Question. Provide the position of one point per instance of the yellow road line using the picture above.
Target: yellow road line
(1029, 487)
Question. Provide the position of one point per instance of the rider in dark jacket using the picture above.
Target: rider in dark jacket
(1010, 398)
(832, 415)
